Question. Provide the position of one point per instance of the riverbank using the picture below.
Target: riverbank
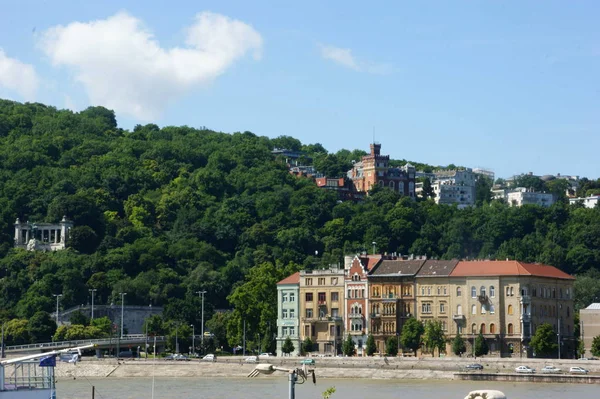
(500, 369)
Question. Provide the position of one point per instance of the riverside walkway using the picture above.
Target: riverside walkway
(102, 343)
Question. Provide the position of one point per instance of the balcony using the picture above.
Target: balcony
(322, 302)
(458, 317)
(389, 298)
(525, 299)
(355, 316)
(374, 315)
(482, 298)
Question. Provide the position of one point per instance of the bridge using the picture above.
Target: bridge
(102, 343)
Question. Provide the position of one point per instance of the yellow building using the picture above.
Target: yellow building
(322, 309)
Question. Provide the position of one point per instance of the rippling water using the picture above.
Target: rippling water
(276, 388)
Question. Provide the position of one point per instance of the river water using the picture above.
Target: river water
(277, 388)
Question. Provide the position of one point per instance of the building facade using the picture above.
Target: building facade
(288, 313)
(523, 196)
(588, 202)
(42, 236)
(455, 187)
(374, 169)
(589, 319)
(322, 309)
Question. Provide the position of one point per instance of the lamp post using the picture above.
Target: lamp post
(193, 338)
(374, 243)
(293, 375)
(92, 291)
(176, 337)
(57, 299)
(122, 310)
(201, 294)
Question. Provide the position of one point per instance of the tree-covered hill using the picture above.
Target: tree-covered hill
(161, 213)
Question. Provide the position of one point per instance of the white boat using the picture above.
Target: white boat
(32, 376)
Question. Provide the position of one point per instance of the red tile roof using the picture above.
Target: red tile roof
(506, 268)
(293, 279)
(370, 261)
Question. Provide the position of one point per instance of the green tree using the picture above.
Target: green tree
(41, 327)
(427, 191)
(16, 332)
(433, 337)
(391, 346)
(103, 324)
(458, 345)
(543, 341)
(410, 338)
(580, 349)
(596, 346)
(288, 346)
(307, 345)
(79, 318)
(348, 348)
(155, 325)
(371, 348)
(481, 346)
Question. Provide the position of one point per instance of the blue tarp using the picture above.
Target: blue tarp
(48, 361)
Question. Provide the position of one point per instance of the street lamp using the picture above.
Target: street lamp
(374, 243)
(293, 374)
(92, 291)
(193, 338)
(176, 337)
(201, 294)
(122, 310)
(57, 298)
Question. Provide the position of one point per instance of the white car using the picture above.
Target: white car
(251, 359)
(209, 358)
(550, 370)
(525, 370)
(265, 354)
(578, 370)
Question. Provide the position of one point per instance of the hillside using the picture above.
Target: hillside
(163, 213)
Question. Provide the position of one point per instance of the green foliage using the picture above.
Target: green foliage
(103, 324)
(217, 325)
(433, 337)
(307, 346)
(79, 318)
(587, 288)
(544, 341)
(427, 191)
(481, 346)
(458, 345)
(328, 392)
(391, 346)
(288, 346)
(580, 349)
(348, 347)
(41, 327)
(595, 349)
(410, 337)
(371, 348)
(16, 332)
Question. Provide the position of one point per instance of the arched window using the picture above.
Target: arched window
(474, 328)
(474, 309)
(510, 309)
(482, 291)
(473, 292)
(459, 309)
(482, 329)
(512, 291)
(458, 291)
(492, 309)
(392, 185)
(492, 291)
(492, 328)
(510, 329)
(507, 291)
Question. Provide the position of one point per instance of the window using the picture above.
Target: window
(473, 292)
(335, 296)
(483, 309)
(473, 328)
(507, 291)
(459, 309)
(292, 314)
(284, 331)
(307, 331)
(426, 307)
(510, 309)
(335, 312)
(308, 297)
(284, 297)
(292, 331)
(332, 330)
(322, 297)
(308, 281)
(292, 297)
(482, 328)
(444, 327)
(321, 281)
(309, 313)
(428, 290)
(568, 312)
(482, 291)
(445, 292)
(512, 291)
(442, 307)
(349, 294)
(568, 294)
(439, 289)
(284, 314)
(474, 309)
(422, 290)
(458, 291)
(334, 281)
(492, 328)
(492, 292)
(492, 309)
(510, 328)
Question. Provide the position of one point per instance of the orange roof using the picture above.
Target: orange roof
(372, 261)
(506, 268)
(293, 279)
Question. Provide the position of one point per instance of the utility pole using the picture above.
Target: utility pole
(93, 291)
(244, 348)
(57, 299)
(2, 343)
(122, 310)
(193, 338)
(201, 294)
(176, 337)
(558, 338)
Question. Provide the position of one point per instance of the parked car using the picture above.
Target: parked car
(474, 366)
(578, 370)
(550, 370)
(525, 370)
(125, 354)
(210, 358)
(265, 354)
(308, 362)
(179, 356)
(251, 359)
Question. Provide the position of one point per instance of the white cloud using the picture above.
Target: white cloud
(18, 77)
(122, 66)
(344, 57)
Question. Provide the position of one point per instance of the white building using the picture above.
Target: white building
(588, 202)
(455, 187)
(42, 236)
(522, 196)
(288, 311)
(485, 172)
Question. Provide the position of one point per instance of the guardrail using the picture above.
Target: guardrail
(98, 341)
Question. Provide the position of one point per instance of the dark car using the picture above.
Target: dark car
(125, 354)
(474, 366)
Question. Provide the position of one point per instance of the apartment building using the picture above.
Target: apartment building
(588, 202)
(523, 196)
(288, 312)
(322, 305)
(589, 319)
(455, 187)
(356, 298)
(392, 297)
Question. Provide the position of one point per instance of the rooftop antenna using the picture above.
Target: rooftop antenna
(373, 134)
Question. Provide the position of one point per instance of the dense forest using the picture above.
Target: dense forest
(161, 213)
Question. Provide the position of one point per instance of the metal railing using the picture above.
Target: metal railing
(79, 342)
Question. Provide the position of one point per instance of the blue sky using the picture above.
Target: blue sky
(512, 86)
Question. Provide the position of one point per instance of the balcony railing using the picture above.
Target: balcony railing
(375, 315)
(458, 317)
(355, 315)
(482, 298)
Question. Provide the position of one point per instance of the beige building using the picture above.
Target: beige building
(322, 308)
(589, 319)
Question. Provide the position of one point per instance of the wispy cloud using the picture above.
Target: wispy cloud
(345, 58)
(18, 77)
(121, 65)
